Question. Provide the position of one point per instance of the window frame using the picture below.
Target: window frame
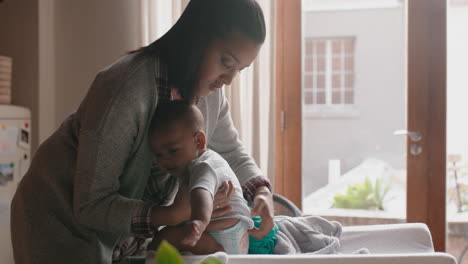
(329, 108)
(426, 78)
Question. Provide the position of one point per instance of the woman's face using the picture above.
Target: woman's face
(223, 59)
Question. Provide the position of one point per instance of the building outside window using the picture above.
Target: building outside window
(328, 79)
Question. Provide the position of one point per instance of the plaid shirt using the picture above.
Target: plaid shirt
(141, 222)
(161, 189)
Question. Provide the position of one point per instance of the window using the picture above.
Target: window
(328, 79)
(424, 26)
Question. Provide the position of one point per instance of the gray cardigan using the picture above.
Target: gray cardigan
(87, 179)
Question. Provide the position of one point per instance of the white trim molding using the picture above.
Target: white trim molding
(330, 111)
(46, 124)
(338, 5)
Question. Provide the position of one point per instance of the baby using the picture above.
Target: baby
(179, 143)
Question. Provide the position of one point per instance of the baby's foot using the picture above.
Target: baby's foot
(193, 230)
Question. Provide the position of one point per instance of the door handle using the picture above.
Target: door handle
(415, 136)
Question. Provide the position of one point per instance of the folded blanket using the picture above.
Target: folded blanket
(307, 234)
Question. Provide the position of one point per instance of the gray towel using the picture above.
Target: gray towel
(307, 234)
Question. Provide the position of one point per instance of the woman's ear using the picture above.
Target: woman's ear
(200, 138)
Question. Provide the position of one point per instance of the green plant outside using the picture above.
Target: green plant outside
(368, 196)
(465, 200)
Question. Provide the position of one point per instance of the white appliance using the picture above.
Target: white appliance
(15, 156)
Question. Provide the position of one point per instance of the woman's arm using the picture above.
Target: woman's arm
(256, 187)
(263, 206)
(224, 139)
(111, 119)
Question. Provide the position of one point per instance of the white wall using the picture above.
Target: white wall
(58, 46)
(379, 95)
(89, 35)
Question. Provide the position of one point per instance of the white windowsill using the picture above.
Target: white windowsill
(319, 112)
(338, 5)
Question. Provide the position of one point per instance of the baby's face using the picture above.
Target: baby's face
(175, 147)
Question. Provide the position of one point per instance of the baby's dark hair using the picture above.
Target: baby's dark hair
(169, 112)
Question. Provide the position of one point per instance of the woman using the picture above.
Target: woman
(83, 193)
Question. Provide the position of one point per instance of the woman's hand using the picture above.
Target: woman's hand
(221, 200)
(263, 207)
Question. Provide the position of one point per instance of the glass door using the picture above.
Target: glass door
(361, 105)
(354, 108)
(457, 130)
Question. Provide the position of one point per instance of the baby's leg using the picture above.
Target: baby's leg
(174, 235)
(206, 245)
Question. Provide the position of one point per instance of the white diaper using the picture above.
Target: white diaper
(235, 240)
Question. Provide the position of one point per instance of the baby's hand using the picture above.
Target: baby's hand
(193, 230)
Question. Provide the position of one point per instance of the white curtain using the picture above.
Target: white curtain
(251, 94)
(157, 16)
(251, 98)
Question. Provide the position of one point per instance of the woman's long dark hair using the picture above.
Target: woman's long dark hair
(201, 22)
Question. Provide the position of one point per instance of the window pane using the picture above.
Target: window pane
(336, 64)
(336, 47)
(308, 97)
(457, 130)
(308, 81)
(349, 64)
(321, 81)
(348, 80)
(336, 97)
(320, 97)
(336, 81)
(309, 64)
(309, 47)
(320, 48)
(350, 43)
(348, 97)
(321, 63)
(348, 46)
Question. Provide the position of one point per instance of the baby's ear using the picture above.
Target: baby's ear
(200, 138)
